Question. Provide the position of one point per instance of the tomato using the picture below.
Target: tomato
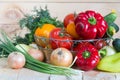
(58, 38)
(68, 18)
(100, 44)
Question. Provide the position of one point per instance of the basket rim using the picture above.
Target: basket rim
(79, 40)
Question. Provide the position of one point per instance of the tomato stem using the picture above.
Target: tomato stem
(61, 34)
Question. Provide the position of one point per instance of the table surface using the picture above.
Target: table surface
(6, 73)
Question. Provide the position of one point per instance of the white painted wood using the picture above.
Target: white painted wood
(98, 75)
(64, 1)
(117, 76)
(6, 73)
(11, 13)
(78, 76)
(59, 10)
(27, 74)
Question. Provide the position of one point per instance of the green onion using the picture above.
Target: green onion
(34, 64)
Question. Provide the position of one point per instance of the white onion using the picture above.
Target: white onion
(16, 60)
(61, 57)
(37, 54)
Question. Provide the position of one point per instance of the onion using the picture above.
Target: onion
(61, 57)
(36, 53)
(16, 60)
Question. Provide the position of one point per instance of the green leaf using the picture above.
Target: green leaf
(23, 23)
(37, 19)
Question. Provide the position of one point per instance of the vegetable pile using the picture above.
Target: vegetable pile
(80, 40)
(32, 63)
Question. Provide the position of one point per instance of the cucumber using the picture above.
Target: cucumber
(116, 27)
(110, 18)
(116, 44)
(112, 29)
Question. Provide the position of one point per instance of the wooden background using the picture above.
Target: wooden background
(11, 11)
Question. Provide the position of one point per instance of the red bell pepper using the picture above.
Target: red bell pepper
(87, 56)
(90, 25)
(59, 38)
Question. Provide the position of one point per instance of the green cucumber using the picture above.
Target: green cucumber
(116, 44)
(111, 31)
(112, 27)
(116, 27)
(111, 17)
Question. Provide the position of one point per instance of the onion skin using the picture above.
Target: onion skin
(16, 60)
(37, 54)
(61, 57)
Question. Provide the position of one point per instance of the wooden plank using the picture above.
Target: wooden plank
(63, 1)
(11, 13)
(7, 73)
(117, 76)
(74, 77)
(98, 75)
(27, 74)
(13, 30)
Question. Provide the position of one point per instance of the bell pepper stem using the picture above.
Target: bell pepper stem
(102, 52)
(92, 20)
(86, 54)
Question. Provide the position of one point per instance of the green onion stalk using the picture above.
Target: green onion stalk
(33, 64)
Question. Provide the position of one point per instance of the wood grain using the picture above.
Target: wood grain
(6, 73)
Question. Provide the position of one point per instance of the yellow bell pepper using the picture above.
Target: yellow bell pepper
(71, 30)
(45, 30)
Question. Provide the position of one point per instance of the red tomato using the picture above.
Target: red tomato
(58, 38)
(68, 18)
(100, 44)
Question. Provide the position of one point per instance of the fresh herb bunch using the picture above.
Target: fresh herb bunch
(41, 16)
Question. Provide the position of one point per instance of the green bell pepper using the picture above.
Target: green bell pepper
(110, 63)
